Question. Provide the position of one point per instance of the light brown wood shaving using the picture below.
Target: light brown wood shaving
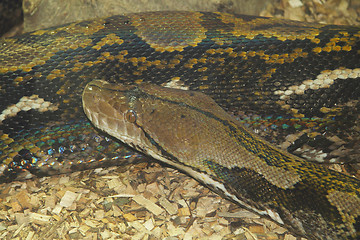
(343, 12)
(124, 203)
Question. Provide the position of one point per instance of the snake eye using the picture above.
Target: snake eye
(130, 116)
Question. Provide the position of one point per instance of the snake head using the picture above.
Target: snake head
(161, 122)
(110, 108)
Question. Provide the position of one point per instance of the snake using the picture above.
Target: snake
(289, 76)
(189, 131)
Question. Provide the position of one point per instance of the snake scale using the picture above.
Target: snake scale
(303, 73)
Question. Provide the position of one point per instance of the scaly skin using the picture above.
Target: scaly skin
(190, 131)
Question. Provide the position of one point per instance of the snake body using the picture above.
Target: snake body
(302, 76)
(190, 131)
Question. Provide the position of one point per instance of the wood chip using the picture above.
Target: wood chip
(2, 227)
(16, 207)
(106, 234)
(174, 231)
(149, 205)
(171, 208)
(113, 183)
(57, 209)
(21, 218)
(84, 229)
(129, 217)
(239, 214)
(184, 211)
(91, 223)
(68, 199)
(24, 199)
(257, 229)
(295, 3)
(289, 237)
(19, 229)
(64, 179)
(149, 224)
(30, 235)
(39, 218)
(138, 226)
(99, 214)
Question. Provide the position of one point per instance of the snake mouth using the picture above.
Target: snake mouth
(96, 108)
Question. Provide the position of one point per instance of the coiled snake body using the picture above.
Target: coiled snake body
(304, 72)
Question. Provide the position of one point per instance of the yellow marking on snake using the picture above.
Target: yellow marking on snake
(157, 43)
(189, 131)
